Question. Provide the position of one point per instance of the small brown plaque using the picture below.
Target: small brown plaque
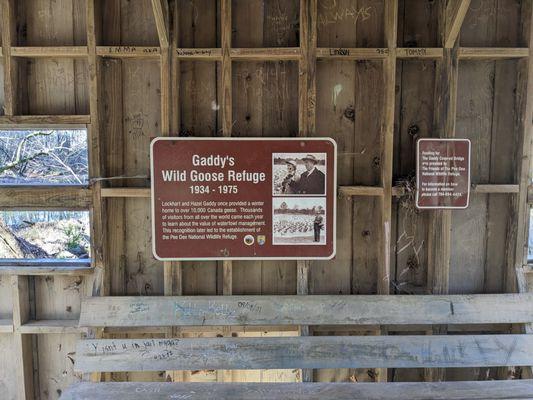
(237, 198)
(442, 173)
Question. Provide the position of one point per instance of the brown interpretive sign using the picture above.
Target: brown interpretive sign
(243, 198)
(442, 173)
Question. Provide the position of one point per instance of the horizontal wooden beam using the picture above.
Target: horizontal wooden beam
(21, 266)
(223, 330)
(45, 197)
(72, 326)
(6, 326)
(199, 54)
(352, 53)
(244, 54)
(495, 188)
(40, 120)
(425, 351)
(50, 52)
(360, 191)
(378, 53)
(305, 310)
(266, 54)
(343, 190)
(273, 329)
(58, 326)
(476, 188)
(125, 192)
(488, 53)
(128, 51)
(420, 52)
(51, 262)
(461, 390)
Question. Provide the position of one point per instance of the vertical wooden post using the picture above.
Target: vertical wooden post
(227, 126)
(387, 144)
(9, 37)
(225, 23)
(440, 223)
(171, 270)
(519, 223)
(99, 286)
(22, 344)
(522, 286)
(164, 62)
(174, 71)
(517, 232)
(387, 134)
(96, 170)
(306, 123)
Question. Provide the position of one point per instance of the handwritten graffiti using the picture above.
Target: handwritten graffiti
(330, 13)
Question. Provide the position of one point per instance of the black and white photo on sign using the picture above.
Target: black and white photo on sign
(296, 174)
(298, 220)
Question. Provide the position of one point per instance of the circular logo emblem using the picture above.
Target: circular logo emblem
(249, 240)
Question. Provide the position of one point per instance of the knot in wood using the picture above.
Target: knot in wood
(349, 113)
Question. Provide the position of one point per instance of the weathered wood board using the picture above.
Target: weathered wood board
(56, 374)
(304, 352)
(295, 310)
(488, 390)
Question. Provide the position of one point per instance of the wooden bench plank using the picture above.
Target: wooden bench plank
(306, 310)
(481, 390)
(304, 352)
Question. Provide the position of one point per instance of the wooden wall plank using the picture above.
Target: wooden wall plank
(490, 23)
(112, 123)
(265, 103)
(335, 87)
(136, 25)
(56, 377)
(487, 117)
(351, 24)
(8, 373)
(197, 24)
(414, 120)
(264, 24)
